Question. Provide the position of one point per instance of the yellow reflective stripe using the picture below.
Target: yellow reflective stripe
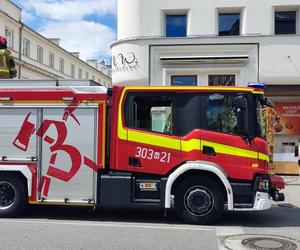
(260, 92)
(195, 88)
(193, 144)
(4, 70)
(4, 67)
(263, 157)
(229, 150)
(154, 140)
(121, 131)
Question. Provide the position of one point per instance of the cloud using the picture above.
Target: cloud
(91, 39)
(70, 10)
(75, 22)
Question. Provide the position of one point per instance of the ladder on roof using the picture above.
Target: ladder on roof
(47, 83)
(77, 86)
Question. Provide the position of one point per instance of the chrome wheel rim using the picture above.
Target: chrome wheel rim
(198, 200)
(7, 195)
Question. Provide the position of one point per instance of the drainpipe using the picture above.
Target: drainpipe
(20, 48)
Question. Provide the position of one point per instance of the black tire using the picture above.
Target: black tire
(13, 196)
(199, 200)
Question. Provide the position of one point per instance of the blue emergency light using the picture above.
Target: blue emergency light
(257, 85)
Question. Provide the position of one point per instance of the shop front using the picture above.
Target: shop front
(284, 121)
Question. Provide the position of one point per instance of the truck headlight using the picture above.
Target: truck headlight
(262, 184)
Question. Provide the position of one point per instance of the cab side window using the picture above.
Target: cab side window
(150, 112)
(221, 113)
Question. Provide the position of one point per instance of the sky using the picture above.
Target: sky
(85, 26)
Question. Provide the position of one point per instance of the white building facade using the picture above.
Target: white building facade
(37, 57)
(192, 42)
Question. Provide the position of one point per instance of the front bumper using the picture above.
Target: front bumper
(262, 201)
(266, 190)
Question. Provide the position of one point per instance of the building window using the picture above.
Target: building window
(176, 25)
(9, 34)
(221, 80)
(51, 60)
(26, 47)
(93, 78)
(87, 75)
(39, 53)
(184, 80)
(229, 24)
(79, 73)
(61, 65)
(72, 70)
(285, 22)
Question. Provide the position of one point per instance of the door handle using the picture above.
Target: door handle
(207, 150)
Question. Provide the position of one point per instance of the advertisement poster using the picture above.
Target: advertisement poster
(287, 120)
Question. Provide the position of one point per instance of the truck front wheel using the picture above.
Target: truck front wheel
(199, 200)
(12, 196)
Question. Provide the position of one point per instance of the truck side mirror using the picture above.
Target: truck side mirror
(267, 102)
(242, 114)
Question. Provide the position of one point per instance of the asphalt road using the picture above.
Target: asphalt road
(78, 228)
(52, 227)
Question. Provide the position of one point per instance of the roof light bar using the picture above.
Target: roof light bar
(257, 85)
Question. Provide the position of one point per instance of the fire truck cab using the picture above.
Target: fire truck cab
(199, 149)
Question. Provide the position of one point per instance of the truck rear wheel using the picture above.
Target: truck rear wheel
(199, 200)
(12, 196)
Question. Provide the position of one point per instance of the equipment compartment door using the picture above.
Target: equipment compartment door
(68, 147)
(17, 137)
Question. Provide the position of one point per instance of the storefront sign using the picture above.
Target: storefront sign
(124, 62)
(288, 118)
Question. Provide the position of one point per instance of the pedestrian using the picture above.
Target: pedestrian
(7, 64)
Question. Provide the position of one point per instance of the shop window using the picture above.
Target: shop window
(221, 80)
(151, 112)
(229, 24)
(285, 22)
(184, 80)
(176, 25)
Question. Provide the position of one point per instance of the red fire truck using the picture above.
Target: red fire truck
(199, 149)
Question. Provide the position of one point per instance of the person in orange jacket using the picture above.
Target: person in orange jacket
(7, 64)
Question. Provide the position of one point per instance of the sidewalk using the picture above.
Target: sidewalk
(292, 191)
(281, 222)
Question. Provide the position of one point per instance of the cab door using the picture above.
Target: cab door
(226, 139)
(151, 146)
